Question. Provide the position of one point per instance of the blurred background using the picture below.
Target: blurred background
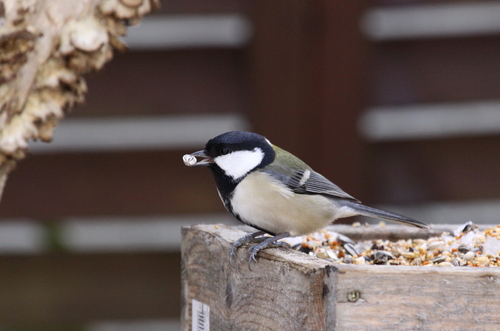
(397, 102)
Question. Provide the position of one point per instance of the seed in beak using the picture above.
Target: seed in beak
(189, 160)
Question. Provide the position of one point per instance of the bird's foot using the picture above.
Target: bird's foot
(248, 239)
(269, 242)
(262, 241)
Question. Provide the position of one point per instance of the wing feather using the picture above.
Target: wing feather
(300, 178)
(315, 184)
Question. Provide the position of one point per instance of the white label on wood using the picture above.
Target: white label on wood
(201, 316)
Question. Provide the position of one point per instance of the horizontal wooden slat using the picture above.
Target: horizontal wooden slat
(189, 31)
(22, 236)
(127, 234)
(138, 133)
(203, 6)
(59, 290)
(431, 121)
(53, 186)
(100, 234)
(161, 233)
(432, 21)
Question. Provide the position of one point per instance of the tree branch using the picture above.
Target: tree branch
(45, 48)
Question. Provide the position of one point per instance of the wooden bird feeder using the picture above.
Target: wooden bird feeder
(290, 290)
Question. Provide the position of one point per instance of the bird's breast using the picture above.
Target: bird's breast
(267, 203)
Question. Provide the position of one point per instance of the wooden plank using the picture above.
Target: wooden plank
(61, 290)
(163, 82)
(414, 298)
(308, 60)
(435, 170)
(293, 291)
(343, 69)
(138, 133)
(431, 21)
(277, 296)
(202, 6)
(174, 32)
(53, 186)
(431, 121)
(276, 59)
(443, 70)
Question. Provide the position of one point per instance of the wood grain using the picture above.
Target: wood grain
(288, 290)
(418, 298)
(278, 295)
(308, 69)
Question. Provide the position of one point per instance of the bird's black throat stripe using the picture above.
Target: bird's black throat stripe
(226, 186)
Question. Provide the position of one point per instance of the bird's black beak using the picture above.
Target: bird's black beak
(189, 161)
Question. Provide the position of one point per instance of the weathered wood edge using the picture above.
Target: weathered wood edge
(321, 274)
(359, 233)
(395, 232)
(226, 235)
(417, 298)
(229, 234)
(388, 232)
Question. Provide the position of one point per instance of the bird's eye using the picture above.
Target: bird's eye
(225, 150)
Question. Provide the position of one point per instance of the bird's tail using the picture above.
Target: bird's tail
(383, 214)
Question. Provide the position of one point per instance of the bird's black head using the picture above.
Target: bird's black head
(237, 153)
(231, 156)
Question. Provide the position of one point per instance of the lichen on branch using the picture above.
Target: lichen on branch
(45, 48)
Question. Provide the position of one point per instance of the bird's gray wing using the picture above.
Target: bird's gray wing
(307, 181)
(300, 178)
(311, 182)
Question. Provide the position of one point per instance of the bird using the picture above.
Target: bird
(275, 192)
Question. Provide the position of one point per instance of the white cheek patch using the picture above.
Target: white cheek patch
(239, 163)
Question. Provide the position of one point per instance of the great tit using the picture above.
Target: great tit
(275, 192)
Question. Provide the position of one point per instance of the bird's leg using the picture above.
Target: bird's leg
(267, 243)
(248, 239)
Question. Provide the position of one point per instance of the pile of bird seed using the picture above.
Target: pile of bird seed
(466, 246)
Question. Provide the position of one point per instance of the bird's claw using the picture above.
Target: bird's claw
(269, 242)
(247, 239)
(253, 253)
(254, 250)
(262, 243)
(231, 257)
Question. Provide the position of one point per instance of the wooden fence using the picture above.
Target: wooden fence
(315, 77)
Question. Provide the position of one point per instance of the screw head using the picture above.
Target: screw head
(353, 296)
